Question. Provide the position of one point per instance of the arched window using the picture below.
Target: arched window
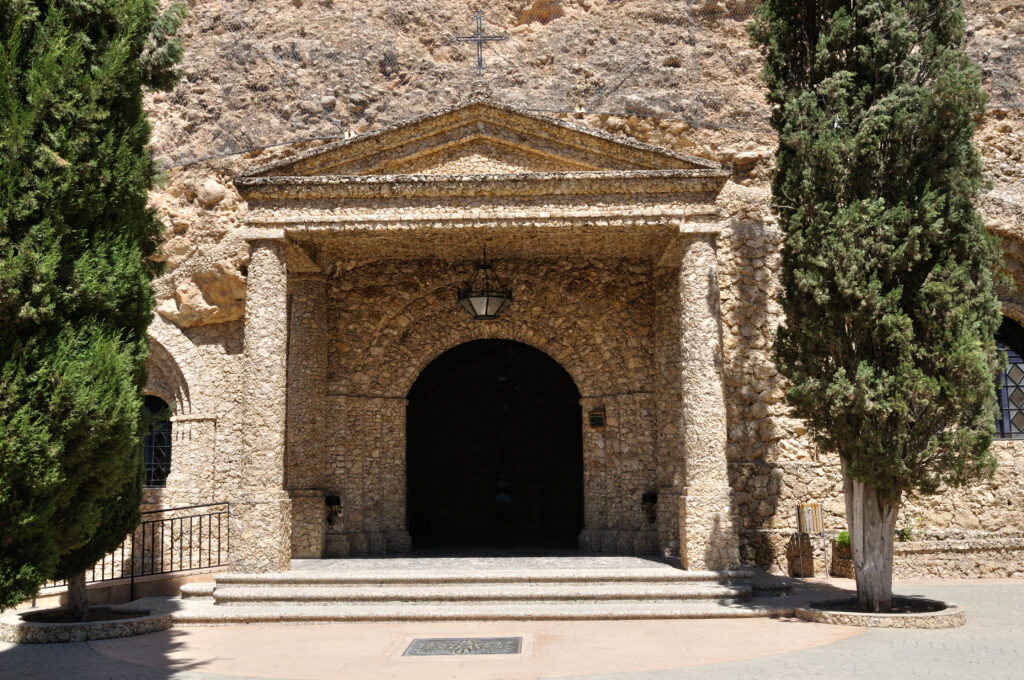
(1010, 339)
(156, 449)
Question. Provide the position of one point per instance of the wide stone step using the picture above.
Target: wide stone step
(207, 613)
(662, 575)
(490, 592)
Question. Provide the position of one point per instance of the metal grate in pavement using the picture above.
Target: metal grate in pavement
(464, 646)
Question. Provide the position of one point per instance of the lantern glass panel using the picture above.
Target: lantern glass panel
(496, 305)
(479, 305)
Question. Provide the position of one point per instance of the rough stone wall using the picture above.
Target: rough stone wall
(619, 466)
(994, 557)
(189, 369)
(773, 464)
(366, 468)
(389, 320)
(307, 367)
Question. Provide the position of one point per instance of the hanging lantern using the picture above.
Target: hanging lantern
(482, 296)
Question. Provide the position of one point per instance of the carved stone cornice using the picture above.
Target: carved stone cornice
(695, 186)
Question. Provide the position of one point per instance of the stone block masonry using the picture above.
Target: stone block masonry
(648, 276)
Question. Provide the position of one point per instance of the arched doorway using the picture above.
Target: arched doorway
(494, 450)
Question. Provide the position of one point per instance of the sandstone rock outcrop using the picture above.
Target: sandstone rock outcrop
(685, 78)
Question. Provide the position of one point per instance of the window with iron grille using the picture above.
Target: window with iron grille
(1010, 392)
(156, 448)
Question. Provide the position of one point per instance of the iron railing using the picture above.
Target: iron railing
(167, 542)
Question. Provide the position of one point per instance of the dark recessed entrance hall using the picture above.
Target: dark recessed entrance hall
(494, 450)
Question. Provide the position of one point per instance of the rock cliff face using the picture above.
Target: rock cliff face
(681, 75)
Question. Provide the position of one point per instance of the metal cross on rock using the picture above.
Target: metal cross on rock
(479, 38)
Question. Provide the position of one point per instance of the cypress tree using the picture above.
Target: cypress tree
(75, 235)
(887, 270)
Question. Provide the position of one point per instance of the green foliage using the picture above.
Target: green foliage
(912, 527)
(843, 539)
(887, 270)
(164, 49)
(75, 302)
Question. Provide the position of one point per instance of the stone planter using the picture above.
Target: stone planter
(15, 629)
(943, 615)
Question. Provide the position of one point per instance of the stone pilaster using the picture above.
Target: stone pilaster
(261, 510)
(307, 393)
(668, 402)
(707, 530)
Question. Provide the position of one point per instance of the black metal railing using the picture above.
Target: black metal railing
(167, 542)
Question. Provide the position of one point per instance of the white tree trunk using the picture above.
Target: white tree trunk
(78, 599)
(872, 523)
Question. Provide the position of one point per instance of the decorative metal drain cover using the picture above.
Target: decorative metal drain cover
(464, 646)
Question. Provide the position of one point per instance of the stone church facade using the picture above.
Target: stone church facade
(637, 270)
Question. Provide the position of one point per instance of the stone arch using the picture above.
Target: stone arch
(558, 352)
(1013, 310)
(599, 347)
(388, 320)
(166, 379)
(176, 367)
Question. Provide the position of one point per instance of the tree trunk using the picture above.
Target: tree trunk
(78, 599)
(872, 521)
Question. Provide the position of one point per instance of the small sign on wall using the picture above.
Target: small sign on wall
(809, 519)
(597, 418)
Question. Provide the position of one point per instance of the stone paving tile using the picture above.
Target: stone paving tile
(990, 646)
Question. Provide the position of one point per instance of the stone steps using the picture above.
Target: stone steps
(198, 591)
(448, 593)
(207, 614)
(469, 591)
(657, 575)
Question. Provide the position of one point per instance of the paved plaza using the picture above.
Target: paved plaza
(990, 646)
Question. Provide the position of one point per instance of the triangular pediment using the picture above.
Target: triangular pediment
(481, 138)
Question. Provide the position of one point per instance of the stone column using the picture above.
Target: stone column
(260, 511)
(307, 394)
(707, 531)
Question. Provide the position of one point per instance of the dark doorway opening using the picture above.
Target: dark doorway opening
(494, 450)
